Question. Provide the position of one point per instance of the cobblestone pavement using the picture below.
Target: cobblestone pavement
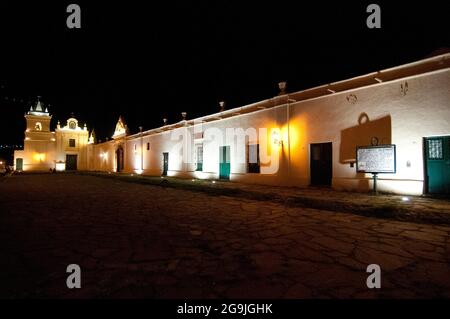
(425, 205)
(422, 209)
(134, 240)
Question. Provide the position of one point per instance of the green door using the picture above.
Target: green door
(437, 156)
(19, 164)
(71, 162)
(119, 159)
(199, 158)
(224, 172)
(165, 163)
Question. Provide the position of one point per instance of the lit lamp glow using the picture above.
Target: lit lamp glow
(39, 157)
(137, 163)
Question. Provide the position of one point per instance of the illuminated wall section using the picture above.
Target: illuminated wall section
(346, 119)
(383, 111)
(79, 137)
(39, 144)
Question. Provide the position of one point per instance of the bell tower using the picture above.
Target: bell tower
(38, 120)
(38, 152)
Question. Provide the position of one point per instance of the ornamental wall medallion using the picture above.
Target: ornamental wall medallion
(352, 99)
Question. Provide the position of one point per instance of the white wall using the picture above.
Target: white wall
(401, 119)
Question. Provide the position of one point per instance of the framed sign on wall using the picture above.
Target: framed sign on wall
(376, 159)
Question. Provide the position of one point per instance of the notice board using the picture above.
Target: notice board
(375, 159)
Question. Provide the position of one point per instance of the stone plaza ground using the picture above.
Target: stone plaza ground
(134, 240)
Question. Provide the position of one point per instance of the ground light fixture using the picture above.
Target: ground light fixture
(405, 199)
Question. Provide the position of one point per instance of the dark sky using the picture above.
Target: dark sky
(147, 62)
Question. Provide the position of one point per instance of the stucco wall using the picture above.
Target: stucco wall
(63, 147)
(388, 111)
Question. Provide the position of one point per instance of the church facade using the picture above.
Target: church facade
(303, 138)
(45, 150)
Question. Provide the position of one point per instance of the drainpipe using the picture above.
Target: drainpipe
(289, 131)
(282, 86)
(288, 137)
(184, 153)
(142, 151)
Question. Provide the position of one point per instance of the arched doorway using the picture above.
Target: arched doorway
(119, 159)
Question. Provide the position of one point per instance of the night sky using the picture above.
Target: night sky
(147, 62)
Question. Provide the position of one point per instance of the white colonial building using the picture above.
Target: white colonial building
(302, 138)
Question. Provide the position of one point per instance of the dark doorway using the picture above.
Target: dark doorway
(19, 164)
(437, 162)
(71, 162)
(165, 163)
(321, 164)
(224, 168)
(119, 159)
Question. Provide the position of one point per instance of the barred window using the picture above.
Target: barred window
(435, 149)
(199, 158)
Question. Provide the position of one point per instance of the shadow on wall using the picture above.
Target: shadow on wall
(362, 135)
